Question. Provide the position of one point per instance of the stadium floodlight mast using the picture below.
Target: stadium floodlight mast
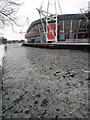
(49, 16)
(86, 14)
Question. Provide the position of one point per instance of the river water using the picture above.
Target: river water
(44, 83)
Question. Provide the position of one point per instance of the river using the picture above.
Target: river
(44, 83)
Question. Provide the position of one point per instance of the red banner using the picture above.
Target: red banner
(51, 31)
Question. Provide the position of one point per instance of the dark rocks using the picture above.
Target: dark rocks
(88, 78)
(72, 75)
(69, 73)
(50, 67)
(7, 109)
(27, 111)
(48, 91)
(44, 112)
(16, 111)
(64, 76)
(57, 109)
(56, 73)
(44, 102)
(18, 99)
(35, 102)
(56, 117)
(38, 95)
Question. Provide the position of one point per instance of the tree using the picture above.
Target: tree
(8, 10)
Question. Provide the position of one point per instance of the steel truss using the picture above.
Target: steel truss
(49, 17)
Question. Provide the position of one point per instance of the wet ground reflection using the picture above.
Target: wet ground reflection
(45, 83)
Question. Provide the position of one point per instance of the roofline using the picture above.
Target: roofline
(61, 17)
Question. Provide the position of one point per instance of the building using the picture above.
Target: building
(3, 40)
(70, 28)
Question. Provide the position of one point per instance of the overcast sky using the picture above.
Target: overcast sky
(28, 9)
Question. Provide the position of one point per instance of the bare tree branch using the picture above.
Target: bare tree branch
(8, 8)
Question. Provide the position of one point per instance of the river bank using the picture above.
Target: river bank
(2, 48)
(2, 54)
(70, 46)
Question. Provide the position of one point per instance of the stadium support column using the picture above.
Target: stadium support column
(47, 21)
(56, 28)
(56, 21)
(71, 35)
(51, 19)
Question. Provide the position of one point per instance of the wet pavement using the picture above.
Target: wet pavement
(45, 83)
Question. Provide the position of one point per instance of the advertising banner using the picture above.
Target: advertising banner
(51, 32)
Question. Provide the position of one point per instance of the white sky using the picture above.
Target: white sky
(28, 9)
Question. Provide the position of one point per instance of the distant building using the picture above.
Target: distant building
(3, 40)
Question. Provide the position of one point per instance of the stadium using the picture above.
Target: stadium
(64, 28)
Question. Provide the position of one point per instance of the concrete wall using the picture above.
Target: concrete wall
(78, 40)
